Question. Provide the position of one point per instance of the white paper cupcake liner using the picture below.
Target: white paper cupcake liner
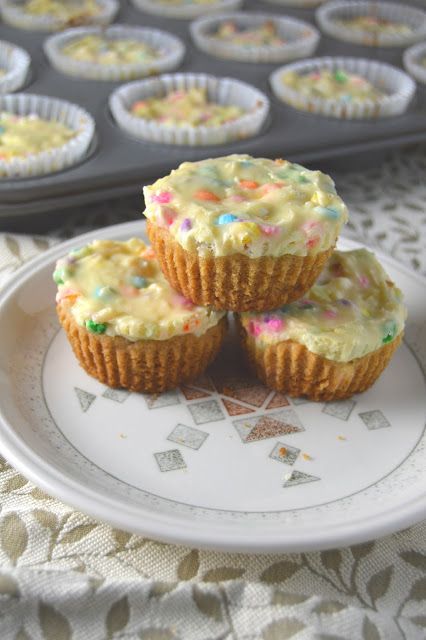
(397, 85)
(15, 62)
(302, 4)
(412, 59)
(397, 13)
(12, 13)
(300, 38)
(185, 11)
(56, 159)
(224, 91)
(172, 52)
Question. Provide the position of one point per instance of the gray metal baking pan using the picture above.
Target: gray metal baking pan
(117, 164)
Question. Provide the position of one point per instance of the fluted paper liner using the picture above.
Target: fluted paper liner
(414, 17)
(289, 367)
(301, 4)
(148, 366)
(412, 59)
(398, 87)
(68, 114)
(15, 62)
(13, 14)
(185, 11)
(224, 91)
(300, 38)
(172, 47)
(235, 282)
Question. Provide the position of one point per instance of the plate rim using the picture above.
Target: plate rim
(103, 508)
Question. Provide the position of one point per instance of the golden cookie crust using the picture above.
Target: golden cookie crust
(237, 282)
(148, 366)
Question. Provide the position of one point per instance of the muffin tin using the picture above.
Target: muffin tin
(117, 164)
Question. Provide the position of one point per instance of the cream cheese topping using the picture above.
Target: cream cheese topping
(117, 288)
(105, 51)
(337, 85)
(25, 135)
(352, 310)
(245, 205)
(186, 109)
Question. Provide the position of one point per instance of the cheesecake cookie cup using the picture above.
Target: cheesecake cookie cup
(243, 233)
(116, 53)
(350, 88)
(126, 325)
(372, 24)
(336, 340)
(40, 135)
(54, 15)
(189, 109)
(254, 37)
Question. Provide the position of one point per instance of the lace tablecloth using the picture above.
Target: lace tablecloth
(66, 576)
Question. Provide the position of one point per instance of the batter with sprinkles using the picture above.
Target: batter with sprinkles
(21, 136)
(337, 85)
(267, 226)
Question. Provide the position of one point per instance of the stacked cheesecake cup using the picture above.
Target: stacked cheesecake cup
(254, 236)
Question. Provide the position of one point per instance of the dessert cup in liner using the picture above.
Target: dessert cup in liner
(172, 52)
(397, 85)
(15, 62)
(300, 38)
(414, 60)
(289, 367)
(185, 11)
(235, 282)
(66, 113)
(12, 13)
(148, 366)
(415, 18)
(224, 91)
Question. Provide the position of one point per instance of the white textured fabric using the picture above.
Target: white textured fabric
(66, 576)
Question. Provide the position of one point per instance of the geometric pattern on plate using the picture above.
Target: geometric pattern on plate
(118, 395)
(236, 383)
(268, 426)
(158, 400)
(170, 460)
(374, 419)
(284, 453)
(297, 401)
(298, 477)
(277, 401)
(206, 411)
(203, 382)
(341, 409)
(187, 436)
(193, 394)
(235, 409)
(255, 396)
(85, 398)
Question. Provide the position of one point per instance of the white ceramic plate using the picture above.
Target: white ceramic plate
(204, 465)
